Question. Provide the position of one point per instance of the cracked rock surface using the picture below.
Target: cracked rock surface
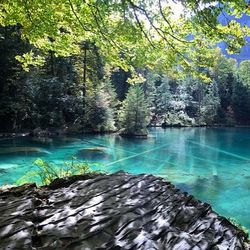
(117, 211)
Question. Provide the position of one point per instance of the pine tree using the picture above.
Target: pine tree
(109, 88)
(100, 108)
(241, 102)
(134, 115)
(163, 96)
(210, 104)
(149, 89)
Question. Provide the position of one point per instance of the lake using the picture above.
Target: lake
(213, 164)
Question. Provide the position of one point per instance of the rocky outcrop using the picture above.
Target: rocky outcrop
(117, 211)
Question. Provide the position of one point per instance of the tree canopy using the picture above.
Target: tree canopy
(56, 95)
(128, 33)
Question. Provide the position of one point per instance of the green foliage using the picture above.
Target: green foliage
(163, 95)
(119, 79)
(11, 100)
(57, 97)
(240, 101)
(129, 33)
(134, 115)
(28, 59)
(244, 70)
(101, 106)
(47, 172)
(210, 104)
(189, 101)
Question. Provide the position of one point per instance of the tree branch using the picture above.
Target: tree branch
(158, 30)
(141, 28)
(76, 16)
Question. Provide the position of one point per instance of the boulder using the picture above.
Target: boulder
(28, 151)
(94, 153)
(108, 212)
(140, 134)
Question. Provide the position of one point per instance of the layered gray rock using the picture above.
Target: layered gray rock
(117, 211)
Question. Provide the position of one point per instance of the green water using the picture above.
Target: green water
(212, 164)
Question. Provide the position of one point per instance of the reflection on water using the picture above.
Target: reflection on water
(211, 164)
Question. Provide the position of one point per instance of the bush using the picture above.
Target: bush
(47, 172)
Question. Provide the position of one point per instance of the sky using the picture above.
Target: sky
(177, 8)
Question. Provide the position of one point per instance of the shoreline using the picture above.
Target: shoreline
(54, 133)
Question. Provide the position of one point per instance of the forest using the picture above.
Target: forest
(56, 96)
(90, 73)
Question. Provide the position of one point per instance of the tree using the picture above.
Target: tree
(176, 115)
(134, 115)
(128, 33)
(12, 77)
(149, 89)
(244, 72)
(100, 108)
(241, 102)
(163, 95)
(119, 79)
(224, 74)
(210, 104)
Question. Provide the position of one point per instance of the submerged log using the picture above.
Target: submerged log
(117, 211)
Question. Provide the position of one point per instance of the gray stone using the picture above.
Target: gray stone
(93, 153)
(117, 211)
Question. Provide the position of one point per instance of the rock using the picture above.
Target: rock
(67, 181)
(141, 134)
(117, 211)
(3, 171)
(36, 131)
(23, 151)
(97, 149)
(92, 153)
(137, 136)
(48, 132)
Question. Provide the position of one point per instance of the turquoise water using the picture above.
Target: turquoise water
(212, 164)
